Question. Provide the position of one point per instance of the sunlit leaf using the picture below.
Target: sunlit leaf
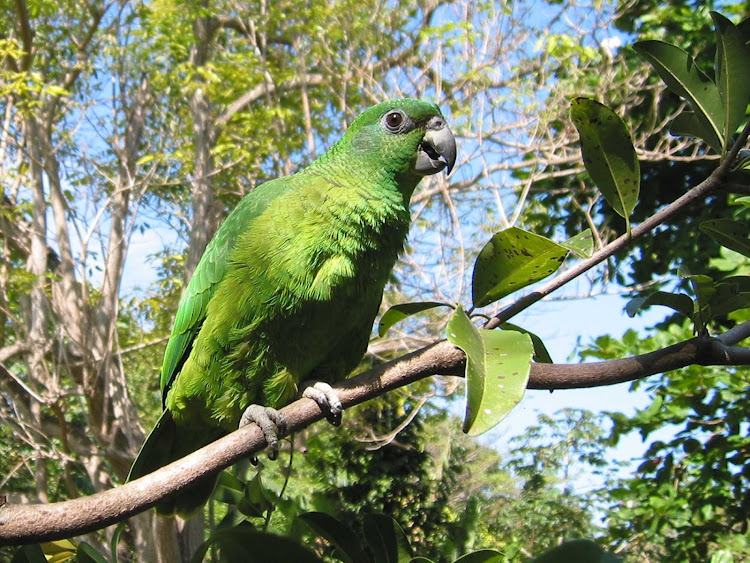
(681, 75)
(582, 244)
(60, 551)
(497, 371)
(511, 260)
(722, 556)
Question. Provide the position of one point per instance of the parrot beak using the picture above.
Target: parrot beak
(437, 151)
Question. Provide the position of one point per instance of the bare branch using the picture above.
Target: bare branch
(263, 89)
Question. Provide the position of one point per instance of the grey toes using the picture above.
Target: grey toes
(271, 422)
(327, 400)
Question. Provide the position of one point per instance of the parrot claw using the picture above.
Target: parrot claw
(271, 422)
(327, 400)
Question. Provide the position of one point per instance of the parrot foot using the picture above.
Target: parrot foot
(271, 422)
(327, 400)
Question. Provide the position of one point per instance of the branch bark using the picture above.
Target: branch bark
(31, 523)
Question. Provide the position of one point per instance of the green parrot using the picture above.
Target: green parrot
(288, 289)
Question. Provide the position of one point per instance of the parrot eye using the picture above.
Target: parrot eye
(393, 120)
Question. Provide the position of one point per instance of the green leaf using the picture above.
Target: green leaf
(704, 289)
(87, 554)
(116, 540)
(29, 554)
(244, 543)
(511, 260)
(676, 301)
(687, 124)
(541, 354)
(742, 283)
(403, 310)
(256, 501)
(608, 154)
(497, 371)
(59, 550)
(744, 29)
(722, 556)
(348, 546)
(681, 75)
(482, 556)
(735, 235)
(703, 286)
(232, 518)
(580, 551)
(229, 489)
(386, 539)
(145, 159)
(732, 73)
(729, 297)
(582, 244)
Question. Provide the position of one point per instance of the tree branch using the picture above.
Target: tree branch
(714, 182)
(701, 350)
(32, 523)
(263, 89)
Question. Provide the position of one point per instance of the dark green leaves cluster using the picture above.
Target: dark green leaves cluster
(710, 299)
(688, 500)
(384, 541)
(718, 107)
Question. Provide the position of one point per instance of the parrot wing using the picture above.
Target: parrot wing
(210, 270)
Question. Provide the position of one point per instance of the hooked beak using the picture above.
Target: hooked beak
(437, 151)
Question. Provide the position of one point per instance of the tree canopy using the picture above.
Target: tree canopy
(603, 142)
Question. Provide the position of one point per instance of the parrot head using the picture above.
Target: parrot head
(403, 136)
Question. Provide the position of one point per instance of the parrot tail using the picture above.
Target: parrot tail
(167, 443)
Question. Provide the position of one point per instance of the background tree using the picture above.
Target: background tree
(132, 121)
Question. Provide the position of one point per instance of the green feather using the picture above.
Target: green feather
(289, 287)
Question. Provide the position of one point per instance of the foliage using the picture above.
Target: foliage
(130, 121)
(688, 498)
